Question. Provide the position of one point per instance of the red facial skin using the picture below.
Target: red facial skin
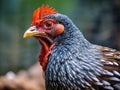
(52, 29)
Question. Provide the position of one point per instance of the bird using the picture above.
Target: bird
(68, 59)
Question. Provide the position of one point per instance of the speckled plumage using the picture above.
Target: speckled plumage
(76, 64)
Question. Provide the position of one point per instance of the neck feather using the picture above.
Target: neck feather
(44, 53)
(72, 36)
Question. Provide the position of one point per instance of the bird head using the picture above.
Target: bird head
(44, 27)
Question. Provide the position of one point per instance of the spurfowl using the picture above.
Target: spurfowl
(69, 61)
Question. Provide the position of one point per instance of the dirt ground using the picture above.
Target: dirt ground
(32, 79)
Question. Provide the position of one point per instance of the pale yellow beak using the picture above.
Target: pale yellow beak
(32, 31)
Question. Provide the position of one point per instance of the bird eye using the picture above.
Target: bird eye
(48, 25)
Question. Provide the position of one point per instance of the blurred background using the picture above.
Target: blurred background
(99, 20)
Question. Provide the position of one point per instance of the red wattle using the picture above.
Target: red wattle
(44, 54)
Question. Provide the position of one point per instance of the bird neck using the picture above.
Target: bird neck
(72, 36)
(44, 53)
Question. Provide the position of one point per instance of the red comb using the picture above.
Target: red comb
(40, 13)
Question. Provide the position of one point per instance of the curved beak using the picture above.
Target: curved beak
(32, 31)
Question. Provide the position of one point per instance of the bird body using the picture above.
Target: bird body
(71, 62)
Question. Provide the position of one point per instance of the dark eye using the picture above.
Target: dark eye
(48, 25)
